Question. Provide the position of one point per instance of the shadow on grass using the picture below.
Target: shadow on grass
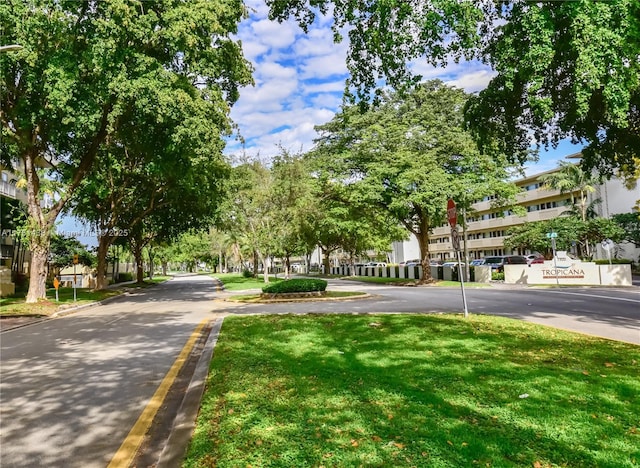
(410, 390)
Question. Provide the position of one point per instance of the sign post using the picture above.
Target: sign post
(452, 216)
(607, 245)
(552, 235)
(56, 284)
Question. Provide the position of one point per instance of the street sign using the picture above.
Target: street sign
(75, 259)
(455, 239)
(452, 213)
(56, 284)
(552, 235)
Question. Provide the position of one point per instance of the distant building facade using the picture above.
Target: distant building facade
(488, 226)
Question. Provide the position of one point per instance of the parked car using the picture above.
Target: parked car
(537, 259)
(376, 264)
(452, 264)
(477, 262)
(497, 263)
(414, 262)
(532, 257)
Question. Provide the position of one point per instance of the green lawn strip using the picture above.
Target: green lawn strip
(16, 306)
(456, 284)
(416, 390)
(237, 282)
(329, 294)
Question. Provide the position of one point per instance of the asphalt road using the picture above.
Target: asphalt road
(72, 388)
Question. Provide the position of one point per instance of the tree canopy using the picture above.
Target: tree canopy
(564, 69)
(85, 65)
(406, 157)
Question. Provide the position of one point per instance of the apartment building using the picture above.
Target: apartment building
(488, 227)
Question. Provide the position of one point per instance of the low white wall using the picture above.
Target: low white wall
(482, 274)
(578, 273)
(615, 275)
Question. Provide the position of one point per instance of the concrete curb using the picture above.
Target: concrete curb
(176, 446)
(70, 310)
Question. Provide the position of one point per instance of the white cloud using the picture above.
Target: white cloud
(300, 79)
(324, 66)
(273, 34)
(473, 82)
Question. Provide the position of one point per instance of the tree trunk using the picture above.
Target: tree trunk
(287, 266)
(38, 274)
(150, 263)
(104, 242)
(39, 233)
(255, 264)
(325, 260)
(265, 267)
(423, 242)
(164, 268)
(137, 254)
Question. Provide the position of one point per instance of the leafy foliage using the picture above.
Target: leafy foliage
(406, 157)
(573, 179)
(571, 231)
(566, 69)
(630, 223)
(86, 69)
(63, 250)
(296, 285)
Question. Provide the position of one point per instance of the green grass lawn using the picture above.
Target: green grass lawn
(13, 306)
(237, 282)
(416, 390)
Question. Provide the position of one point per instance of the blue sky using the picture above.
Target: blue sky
(299, 79)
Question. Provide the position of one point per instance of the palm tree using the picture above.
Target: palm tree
(571, 178)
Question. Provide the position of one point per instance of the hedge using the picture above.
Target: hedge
(123, 277)
(614, 261)
(296, 285)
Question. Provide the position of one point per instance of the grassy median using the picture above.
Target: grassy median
(237, 282)
(16, 306)
(416, 390)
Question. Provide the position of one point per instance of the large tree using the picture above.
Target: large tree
(174, 168)
(250, 211)
(408, 156)
(565, 69)
(82, 65)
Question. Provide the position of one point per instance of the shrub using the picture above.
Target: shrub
(614, 261)
(247, 274)
(296, 285)
(122, 277)
(495, 276)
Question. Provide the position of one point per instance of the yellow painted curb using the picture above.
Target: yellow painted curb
(127, 451)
